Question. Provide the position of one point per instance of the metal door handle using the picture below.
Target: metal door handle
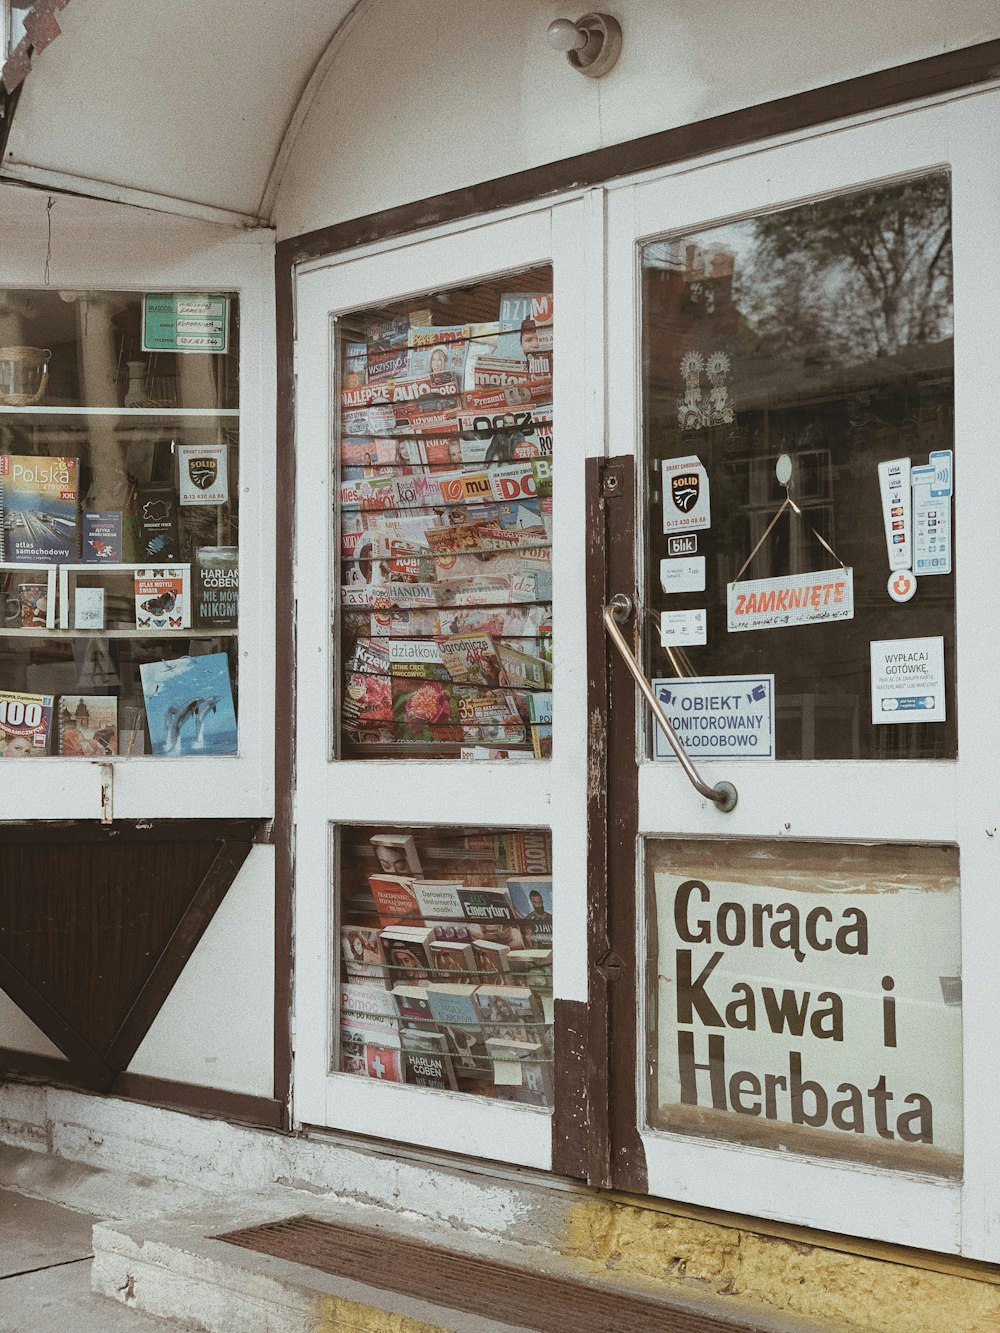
(723, 793)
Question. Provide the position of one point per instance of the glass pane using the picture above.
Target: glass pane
(798, 401)
(807, 998)
(445, 959)
(119, 485)
(445, 481)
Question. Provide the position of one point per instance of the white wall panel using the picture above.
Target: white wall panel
(18, 1033)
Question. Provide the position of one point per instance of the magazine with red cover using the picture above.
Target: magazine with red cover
(395, 900)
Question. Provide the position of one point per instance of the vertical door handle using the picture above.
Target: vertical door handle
(618, 610)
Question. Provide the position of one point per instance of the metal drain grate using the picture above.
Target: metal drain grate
(507, 1293)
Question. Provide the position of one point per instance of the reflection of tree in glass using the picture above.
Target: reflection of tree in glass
(854, 277)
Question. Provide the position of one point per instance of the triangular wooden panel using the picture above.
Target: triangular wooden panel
(96, 928)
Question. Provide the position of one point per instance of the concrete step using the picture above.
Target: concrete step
(177, 1267)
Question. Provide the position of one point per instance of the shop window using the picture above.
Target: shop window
(444, 464)
(798, 423)
(119, 471)
(445, 959)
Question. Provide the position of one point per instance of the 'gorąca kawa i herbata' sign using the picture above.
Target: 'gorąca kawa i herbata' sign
(793, 599)
(813, 987)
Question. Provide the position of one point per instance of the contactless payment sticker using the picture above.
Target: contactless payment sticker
(894, 485)
(907, 681)
(683, 629)
(931, 523)
(683, 574)
(686, 500)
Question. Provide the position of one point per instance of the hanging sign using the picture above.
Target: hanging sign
(185, 322)
(894, 485)
(907, 681)
(793, 599)
(686, 499)
(718, 717)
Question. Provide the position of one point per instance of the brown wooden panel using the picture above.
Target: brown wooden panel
(95, 929)
(499, 1289)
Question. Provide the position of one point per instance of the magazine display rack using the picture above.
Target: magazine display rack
(445, 458)
(446, 959)
(119, 536)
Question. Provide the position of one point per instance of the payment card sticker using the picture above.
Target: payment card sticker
(907, 681)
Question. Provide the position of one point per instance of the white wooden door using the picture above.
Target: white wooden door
(817, 993)
(392, 769)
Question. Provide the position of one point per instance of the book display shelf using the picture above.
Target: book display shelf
(119, 468)
(445, 507)
(445, 959)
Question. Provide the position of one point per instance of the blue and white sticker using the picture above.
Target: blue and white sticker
(931, 521)
(717, 717)
(907, 681)
(894, 485)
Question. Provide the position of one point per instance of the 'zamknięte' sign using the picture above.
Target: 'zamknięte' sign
(809, 997)
(793, 599)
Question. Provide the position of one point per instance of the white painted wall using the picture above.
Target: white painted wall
(423, 96)
(18, 1033)
(216, 1028)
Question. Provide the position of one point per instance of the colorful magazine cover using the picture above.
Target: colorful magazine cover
(40, 500)
(88, 725)
(531, 897)
(102, 536)
(189, 705)
(25, 723)
(161, 598)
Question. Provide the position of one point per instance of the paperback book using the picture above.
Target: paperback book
(189, 705)
(216, 587)
(88, 725)
(157, 504)
(531, 897)
(161, 598)
(102, 536)
(25, 724)
(39, 502)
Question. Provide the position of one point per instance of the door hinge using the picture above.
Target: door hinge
(612, 480)
(611, 967)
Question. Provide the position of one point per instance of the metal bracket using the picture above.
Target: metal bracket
(107, 793)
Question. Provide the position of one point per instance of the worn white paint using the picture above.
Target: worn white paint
(216, 1028)
(19, 1033)
(424, 96)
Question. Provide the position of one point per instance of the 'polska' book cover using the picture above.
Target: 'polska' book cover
(40, 498)
(189, 705)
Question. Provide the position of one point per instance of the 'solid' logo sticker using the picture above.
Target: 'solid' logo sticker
(686, 497)
(203, 472)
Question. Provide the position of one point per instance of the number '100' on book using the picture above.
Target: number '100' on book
(189, 705)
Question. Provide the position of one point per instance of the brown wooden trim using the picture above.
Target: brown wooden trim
(948, 72)
(182, 944)
(92, 1069)
(16, 1066)
(142, 830)
(284, 684)
(500, 1288)
(192, 1098)
(572, 1122)
(621, 827)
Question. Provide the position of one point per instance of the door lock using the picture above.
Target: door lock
(610, 966)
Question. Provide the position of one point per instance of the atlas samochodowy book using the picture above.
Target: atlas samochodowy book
(39, 500)
(189, 705)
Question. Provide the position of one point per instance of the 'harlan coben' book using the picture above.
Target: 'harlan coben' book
(189, 705)
(216, 587)
(40, 501)
(88, 725)
(25, 722)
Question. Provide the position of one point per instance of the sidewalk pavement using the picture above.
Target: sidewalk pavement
(45, 1259)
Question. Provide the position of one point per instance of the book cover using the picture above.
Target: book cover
(540, 723)
(216, 587)
(204, 473)
(456, 1014)
(88, 608)
(413, 1007)
(522, 670)
(356, 1034)
(25, 724)
(492, 966)
(531, 897)
(471, 659)
(407, 954)
(157, 506)
(384, 1062)
(531, 968)
(102, 536)
(487, 906)
(161, 598)
(396, 853)
(513, 1013)
(367, 689)
(487, 715)
(425, 710)
(426, 1060)
(452, 961)
(395, 900)
(88, 725)
(39, 499)
(362, 954)
(370, 1002)
(189, 705)
(524, 852)
(438, 899)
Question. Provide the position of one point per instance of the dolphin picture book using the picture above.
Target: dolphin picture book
(189, 705)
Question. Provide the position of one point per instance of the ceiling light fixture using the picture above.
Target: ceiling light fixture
(592, 44)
